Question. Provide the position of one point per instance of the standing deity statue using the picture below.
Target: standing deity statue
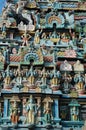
(47, 109)
(67, 78)
(7, 80)
(19, 78)
(30, 111)
(14, 110)
(37, 36)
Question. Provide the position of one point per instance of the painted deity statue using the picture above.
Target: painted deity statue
(47, 109)
(37, 36)
(66, 78)
(74, 114)
(30, 111)
(65, 66)
(2, 58)
(14, 113)
(7, 80)
(44, 75)
(74, 110)
(31, 78)
(79, 81)
(55, 81)
(3, 29)
(18, 78)
(25, 37)
(24, 107)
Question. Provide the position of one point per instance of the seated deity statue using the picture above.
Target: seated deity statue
(78, 66)
(79, 81)
(65, 66)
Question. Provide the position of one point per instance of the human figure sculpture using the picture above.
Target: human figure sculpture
(3, 29)
(14, 113)
(18, 78)
(7, 55)
(44, 75)
(67, 78)
(24, 107)
(25, 37)
(65, 66)
(30, 111)
(79, 81)
(47, 109)
(74, 114)
(2, 58)
(31, 78)
(37, 36)
(7, 79)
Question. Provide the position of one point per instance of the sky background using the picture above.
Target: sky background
(2, 4)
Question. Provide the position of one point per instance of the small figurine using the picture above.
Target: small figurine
(66, 83)
(66, 66)
(25, 38)
(79, 81)
(37, 36)
(7, 55)
(7, 80)
(3, 29)
(24, 107)
(74, 110)
(2, 58)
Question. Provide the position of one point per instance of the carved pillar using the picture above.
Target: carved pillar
(5, 107)
(56, 111)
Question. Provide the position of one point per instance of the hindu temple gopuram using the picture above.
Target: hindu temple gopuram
(43, 65)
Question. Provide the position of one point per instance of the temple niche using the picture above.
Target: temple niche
(43, 65)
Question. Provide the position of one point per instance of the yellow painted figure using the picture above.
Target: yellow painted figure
(37, 37)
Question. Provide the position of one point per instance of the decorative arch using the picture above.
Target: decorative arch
(54, 19)
(31, 56)
(37, 57)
